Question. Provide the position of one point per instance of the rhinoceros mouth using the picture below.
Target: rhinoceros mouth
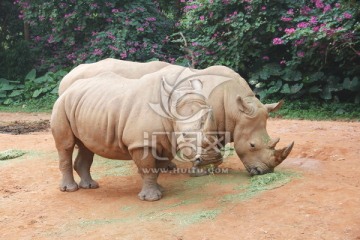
(257, 171)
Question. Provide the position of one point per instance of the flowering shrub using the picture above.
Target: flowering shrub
(283, 47)
(70, 32)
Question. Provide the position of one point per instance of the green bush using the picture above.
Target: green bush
(284, 48)
(12, 92)
(72, 32)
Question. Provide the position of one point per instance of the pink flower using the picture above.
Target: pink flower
(202, 18)
(278, 41)
(282, 62)
(299, 42)
(140, 29)
(289, 30)
(97, 52)
(115, 10)
(266, 58)
(182, 1)
(248, 8)
(286, 19)
(290, 11)
(123, 55)
(263, 8)
(319, 4)
(316, 29)
(37, 39)
(337, 5)
(300, 54)
(347, 15)
(151, 19)
(113, 48)
(305, 10)
(327, 8)
(302, 25)
(313, 20)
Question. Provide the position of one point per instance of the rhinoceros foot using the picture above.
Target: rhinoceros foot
(68, 186)
(89, 184)
(150, 194)
(171, 166)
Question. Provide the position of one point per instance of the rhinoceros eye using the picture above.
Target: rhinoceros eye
(252, 145)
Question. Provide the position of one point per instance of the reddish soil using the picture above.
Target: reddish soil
(323, 203)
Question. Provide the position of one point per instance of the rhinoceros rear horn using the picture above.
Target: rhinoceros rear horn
(274, 106)
(273, 142)
(281, 154)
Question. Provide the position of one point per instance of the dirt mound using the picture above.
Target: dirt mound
(23, 127)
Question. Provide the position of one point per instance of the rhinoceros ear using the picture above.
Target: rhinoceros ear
(274, 106)
(244, 106)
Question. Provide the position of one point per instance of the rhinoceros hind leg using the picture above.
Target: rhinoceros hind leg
(68, 183)
(65, 142)
(151, 190)
(82, 165)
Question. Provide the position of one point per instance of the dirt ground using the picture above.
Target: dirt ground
(320, 201)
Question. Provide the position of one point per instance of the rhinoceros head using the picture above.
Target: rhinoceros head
(251, 140)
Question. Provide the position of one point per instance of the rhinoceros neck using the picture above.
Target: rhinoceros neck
(232, 115)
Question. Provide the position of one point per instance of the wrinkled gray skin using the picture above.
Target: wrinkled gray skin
(236, 110)
(108, 115)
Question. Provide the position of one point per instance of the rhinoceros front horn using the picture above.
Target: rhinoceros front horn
(281, 154)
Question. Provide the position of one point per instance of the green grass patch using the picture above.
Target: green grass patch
(107, 167)
(259, 184)
(11, 154)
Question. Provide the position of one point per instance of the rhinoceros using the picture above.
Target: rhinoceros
(236, 109)
(116, 118)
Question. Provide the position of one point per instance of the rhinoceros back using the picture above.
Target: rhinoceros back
(126, 69)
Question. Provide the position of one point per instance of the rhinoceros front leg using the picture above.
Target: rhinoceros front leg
(151, 190)
(82, 166)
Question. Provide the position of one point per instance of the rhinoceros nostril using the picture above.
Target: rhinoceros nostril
(255, 171)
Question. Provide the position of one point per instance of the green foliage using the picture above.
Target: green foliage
(313, 109)
(34, 88)
(284, 48)
(73, 32)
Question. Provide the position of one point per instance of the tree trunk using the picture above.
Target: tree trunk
(26, 31)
